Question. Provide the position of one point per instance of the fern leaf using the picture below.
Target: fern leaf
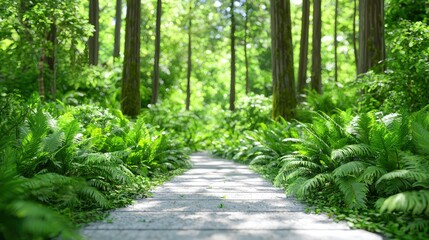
(354, 168)
(310, 185)
(354, 192)
(351, 151)
(415, 202)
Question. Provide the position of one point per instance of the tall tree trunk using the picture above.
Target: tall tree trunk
(336, 41)
(371, 35)
(188, 84)
(284, 95)
(246, 58)
(303, 51)
(40, 81)
(51, 60)
(232, 87)
(316, 66)
(131, 101)
(93, 44)
(355, 51)
(155, 83)
(118, 22)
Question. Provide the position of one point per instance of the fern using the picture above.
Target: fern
(354, 151)
(354, 192)
(350, 169)
(413, 202)
(312, 184)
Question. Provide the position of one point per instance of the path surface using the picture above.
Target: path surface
(219, 199)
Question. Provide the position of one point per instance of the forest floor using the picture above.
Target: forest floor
(219, 199)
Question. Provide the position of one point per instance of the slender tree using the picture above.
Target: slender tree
(51, 59)
(355, 51)
(93, 43)
(371, 35)
(316, 62)
(155, 83)
(188, 84)
(131, 101)
(232, 87)
(246, 58)
(303, 51)
(336, 41)
(284, 95)
(118, 22)
(40, 79)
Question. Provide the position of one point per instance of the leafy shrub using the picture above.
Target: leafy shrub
(368, 161)
(74, 161)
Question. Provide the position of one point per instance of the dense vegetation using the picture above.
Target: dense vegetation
(74, 141)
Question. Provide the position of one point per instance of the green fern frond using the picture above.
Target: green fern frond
(402, 174)
(361, 126)
(301, 171)
(302, 163)
(312, 184)
(420, 137)
(37, 222)
(351, 151)
(371, 174)
(262, 159)
(94, 194)
(354, 192)
(414, 202)
(354, 168)
(53, 141)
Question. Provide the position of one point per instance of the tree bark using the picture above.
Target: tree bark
(118, 22)
(316, 66)
(93, 44)
(232, 86)
(371, 35)
(155, 83)
(40, 80)
(246, 58)
(131, 101)
(51, 60)
(188, 84)
(303, 51)
(284, 95)
(336, 42)
(355, 51)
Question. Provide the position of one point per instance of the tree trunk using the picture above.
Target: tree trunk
(284, 95)
(246, 58)
(40, 78)
(93, 44)
(316, 66)
(232, 87)
(335, 41)
(118, 22)
(51, 60)
(355, 51)
(371, 35)
(188, 84)
(303, 51)
(155, 83)
(131, 101)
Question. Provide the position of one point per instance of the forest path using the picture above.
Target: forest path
(219, 199)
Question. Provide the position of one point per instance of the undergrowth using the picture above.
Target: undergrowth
(63, 166)
(369, 169)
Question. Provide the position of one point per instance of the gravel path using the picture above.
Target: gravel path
(219, 199)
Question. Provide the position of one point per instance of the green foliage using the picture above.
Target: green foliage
(62, 164)
(371, 161)
(405, 83)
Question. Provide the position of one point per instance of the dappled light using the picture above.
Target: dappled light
(214, 119)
